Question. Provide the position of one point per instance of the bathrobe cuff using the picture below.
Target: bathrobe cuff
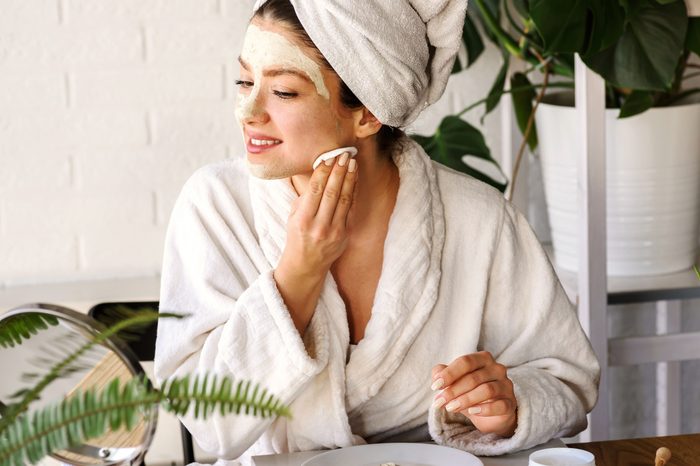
(272, 340)
(546, 407)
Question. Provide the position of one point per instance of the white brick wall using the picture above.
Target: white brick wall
(106, 108)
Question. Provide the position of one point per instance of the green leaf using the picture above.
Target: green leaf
(14, 330)
(561, 23)
(493, 7)
(607, 24)
(637, 102)
(692, 38)
(494, 96)
(89, 414)
(522, 104)
(118, 312)
(454, 139)
(646, 55)
(577, 26)
(568, 61)
(473, 44)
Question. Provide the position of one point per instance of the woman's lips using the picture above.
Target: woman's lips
(256, 144)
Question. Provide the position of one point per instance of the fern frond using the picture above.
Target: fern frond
(66, 364)
(56, 350)
(115, 313)
(91, 413)
(14, 330)
(208, 392)
(83, 416)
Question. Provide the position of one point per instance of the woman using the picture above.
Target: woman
(384, 297)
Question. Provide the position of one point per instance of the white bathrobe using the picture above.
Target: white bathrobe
(462, 272)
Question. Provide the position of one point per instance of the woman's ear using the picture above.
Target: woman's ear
(366, 124)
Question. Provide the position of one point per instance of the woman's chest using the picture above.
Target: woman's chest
(357, 277)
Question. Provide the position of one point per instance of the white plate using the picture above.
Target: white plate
(402, 454)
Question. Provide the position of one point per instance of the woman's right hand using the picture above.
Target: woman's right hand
(316, 229)
(316, 236)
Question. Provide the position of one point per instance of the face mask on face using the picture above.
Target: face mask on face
(265, 50)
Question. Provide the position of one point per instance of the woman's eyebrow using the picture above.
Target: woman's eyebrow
(277, 71)
(280, 71)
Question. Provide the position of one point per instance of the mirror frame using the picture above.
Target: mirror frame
(110, 456)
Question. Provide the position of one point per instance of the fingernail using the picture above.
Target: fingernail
(438, 384)
(352, 166)
(474, 410)
(438, 402)
(343, 159)
(329, 162)
(452, 405)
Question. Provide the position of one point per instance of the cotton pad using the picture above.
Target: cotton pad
(334, 153)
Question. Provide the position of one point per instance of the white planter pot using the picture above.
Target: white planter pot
(653, 186)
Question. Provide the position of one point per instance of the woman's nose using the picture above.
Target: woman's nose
(251, 108)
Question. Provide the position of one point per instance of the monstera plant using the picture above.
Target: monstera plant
(28, 434)
(642, 48)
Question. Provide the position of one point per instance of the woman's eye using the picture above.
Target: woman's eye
(285, 95)
(245, 84)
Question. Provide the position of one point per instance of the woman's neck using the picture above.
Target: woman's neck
(377, 187)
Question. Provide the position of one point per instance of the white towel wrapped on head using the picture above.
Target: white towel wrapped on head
(395, 55)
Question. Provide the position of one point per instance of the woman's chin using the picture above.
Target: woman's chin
(269, 170)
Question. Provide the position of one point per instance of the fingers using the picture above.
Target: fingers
(310, 201)
(474, 384)
(469, 382)
(347, 194)
(332, 192)
(436, 370)
(459, 367)
(473, 402)
(502, 407)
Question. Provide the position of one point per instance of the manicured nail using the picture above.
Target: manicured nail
(452, 406)
(475, 410)
(438, 384)
(438, 402)
(329, 162)
(352, 166)
(343, 159)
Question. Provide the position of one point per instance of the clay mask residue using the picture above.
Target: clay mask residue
(263, 50)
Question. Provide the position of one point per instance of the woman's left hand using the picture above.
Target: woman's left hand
(478, 387)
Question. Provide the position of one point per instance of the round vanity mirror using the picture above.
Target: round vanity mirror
(59, 332)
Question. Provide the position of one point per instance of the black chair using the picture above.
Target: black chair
(144, 347)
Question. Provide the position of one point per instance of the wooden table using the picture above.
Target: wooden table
(685, 450)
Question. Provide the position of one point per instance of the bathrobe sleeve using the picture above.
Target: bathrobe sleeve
(238, 326)
(530, 326)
